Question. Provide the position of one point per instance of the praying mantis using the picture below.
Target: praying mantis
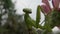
(30, 22)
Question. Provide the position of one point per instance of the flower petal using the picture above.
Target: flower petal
(45, 9)
(47, 3)
(55, 3)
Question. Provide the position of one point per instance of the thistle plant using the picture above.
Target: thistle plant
(52, 15)
(52, 12)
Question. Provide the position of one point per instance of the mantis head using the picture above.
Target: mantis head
(27, 10)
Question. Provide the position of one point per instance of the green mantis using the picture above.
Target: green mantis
(30, 22)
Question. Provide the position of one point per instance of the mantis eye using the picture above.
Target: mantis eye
(27, 10)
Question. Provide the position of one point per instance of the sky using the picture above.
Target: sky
(20, 4)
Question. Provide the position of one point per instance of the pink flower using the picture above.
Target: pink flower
(45, 9)
(55, 4)
(47, 3)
